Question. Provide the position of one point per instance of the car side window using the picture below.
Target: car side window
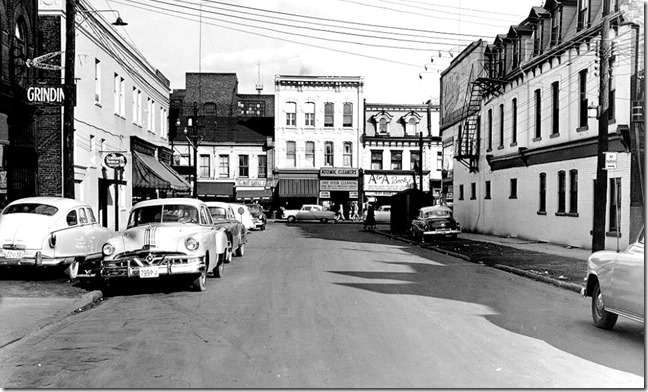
(205, 217)
(83, 218)
(308, 208)
(71, 218)
(91, 215)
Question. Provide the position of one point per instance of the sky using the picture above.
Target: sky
(399, 47)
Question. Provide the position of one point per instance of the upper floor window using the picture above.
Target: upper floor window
(291, 114)
(209, 109)
(555, 108)
(397, 160)
(583, 14)
(382, 125)
(309, 114)
(263, 166)
(291, 157)
(310, 154)
(376, 159)
(556, 26)
(151, 114)
(514, 107)
(517, 52)
(347, 157)
(223, 166)
(118, 95)
(328, 154)
(97, 79)
(538, 35)
(329, 114)
(490, 129)
(582, 92)
(204, 166)
(538, 114)
(347, 117)
(501, 125)
(244, 166)
(415, 160)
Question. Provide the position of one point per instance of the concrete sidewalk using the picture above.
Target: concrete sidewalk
(534, 246)
(22, 316)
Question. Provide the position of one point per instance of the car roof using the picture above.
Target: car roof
(435, 208)
(62, 203)
(217, 204)
(170, 200)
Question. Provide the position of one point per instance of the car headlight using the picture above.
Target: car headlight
(192, 244)
(108, 249)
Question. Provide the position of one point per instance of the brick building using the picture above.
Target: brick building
(515, 118)
(122, 108)
(18, 150)
(234, 135)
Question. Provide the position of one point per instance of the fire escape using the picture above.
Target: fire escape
(467, 147)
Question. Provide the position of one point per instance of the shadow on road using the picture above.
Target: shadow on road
(525, 306)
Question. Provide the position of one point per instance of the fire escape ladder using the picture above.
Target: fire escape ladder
(467, 148)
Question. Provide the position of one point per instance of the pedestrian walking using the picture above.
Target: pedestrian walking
(341, 212)
(355, 216)
(370, 220)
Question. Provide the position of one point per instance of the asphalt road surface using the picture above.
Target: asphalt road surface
(331, 306)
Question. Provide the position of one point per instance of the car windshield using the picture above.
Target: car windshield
(254, 208)
(436, 214)
(30, 208)
(218, 212)
(163, 214)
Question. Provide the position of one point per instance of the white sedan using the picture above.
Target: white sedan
(50, 231)
(173, 237)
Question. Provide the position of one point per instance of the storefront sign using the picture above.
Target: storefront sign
(338, 185)
(390, 182)
(338, 172)
(115, 160)
(251, 182)
(325, 195)
(353, 195)
(46, 94)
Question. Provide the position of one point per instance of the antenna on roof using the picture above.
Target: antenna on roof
(259, 84)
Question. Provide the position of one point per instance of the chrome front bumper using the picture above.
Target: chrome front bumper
(441, 232)
(37, 260)
(165, 265)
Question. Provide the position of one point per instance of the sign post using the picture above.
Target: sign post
(611, 164)
(117, 162)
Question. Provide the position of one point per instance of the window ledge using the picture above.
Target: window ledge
(561, 214)
(489, 149)
(582, 129)
(486, 197)
(554, 135)
(542, 212)
(537, 139)
(574, 214)
(473, 198)
(512, 197)
(612, 234)
(500, 147)
(98, 104)
(514, 144)
(611, 121)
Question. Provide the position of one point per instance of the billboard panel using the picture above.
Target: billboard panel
(455, 81)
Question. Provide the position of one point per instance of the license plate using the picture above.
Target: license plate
(14, 254)
(148, 272)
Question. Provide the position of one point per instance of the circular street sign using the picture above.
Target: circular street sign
(241, 210)
(115, 160)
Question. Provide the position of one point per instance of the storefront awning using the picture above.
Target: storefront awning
(148, 172)
(216, 189)
(294, 187)
(249, 194)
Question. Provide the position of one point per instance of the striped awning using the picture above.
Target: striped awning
(297, 187)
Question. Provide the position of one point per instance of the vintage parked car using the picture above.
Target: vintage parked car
(223, 216)
(615, 281)
(382, 214)
(310, 212)
(167, 237)
(243, 215)
(434, 221)
(258, 216)
(50, 231)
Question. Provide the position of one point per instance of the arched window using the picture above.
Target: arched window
(209, 109)
(309, 113)
(291, 114)
(382, 126)
(410, 127)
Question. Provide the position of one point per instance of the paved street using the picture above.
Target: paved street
(331, 306)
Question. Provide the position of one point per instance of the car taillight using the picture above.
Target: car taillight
(52, 241)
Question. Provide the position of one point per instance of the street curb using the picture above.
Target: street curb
(559, 283)
(75, 307)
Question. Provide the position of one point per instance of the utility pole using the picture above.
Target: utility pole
(421, 159)
(600, 187)
(69, 100)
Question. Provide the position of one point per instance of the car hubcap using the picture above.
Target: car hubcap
(599, 304)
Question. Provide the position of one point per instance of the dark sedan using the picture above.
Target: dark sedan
(223, 216)
(434, 221)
